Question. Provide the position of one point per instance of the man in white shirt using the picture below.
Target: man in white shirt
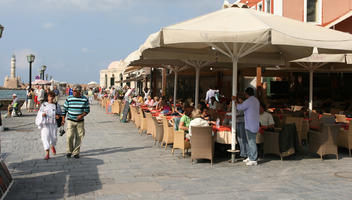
(266, 119)
(210, 94)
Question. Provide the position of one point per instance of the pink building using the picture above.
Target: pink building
(335, 14)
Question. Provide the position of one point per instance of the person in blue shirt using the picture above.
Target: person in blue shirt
(250, 107)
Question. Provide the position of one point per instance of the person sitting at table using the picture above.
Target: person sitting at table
(196, 121)
(185, 119)
(171, 100)
(178, 109)
(140, 100)
(156, 102)
(165, 107)
(149, 102)
(266, 119)
(205, 114)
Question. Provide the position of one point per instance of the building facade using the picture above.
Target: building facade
(335, 14)
(110, 76)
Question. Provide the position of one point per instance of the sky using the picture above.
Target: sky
(76, 39)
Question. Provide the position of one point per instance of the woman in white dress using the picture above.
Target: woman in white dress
(46, 122)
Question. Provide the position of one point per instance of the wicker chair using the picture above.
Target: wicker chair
(324, 142)
(136, 117)
(132, 110)
(159, 131)
(272, 145)
(344, 138)
(202, 143)
(180, 142)
(149, 126)
(298, 121)
(168, 137)
(144, 122)
(119, 107)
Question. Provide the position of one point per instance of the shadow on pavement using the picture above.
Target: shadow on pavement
(59, 177)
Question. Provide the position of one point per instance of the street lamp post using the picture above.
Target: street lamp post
(30, 59)
(1, 30)
(42, 72)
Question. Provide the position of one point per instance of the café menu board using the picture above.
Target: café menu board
(5, 180)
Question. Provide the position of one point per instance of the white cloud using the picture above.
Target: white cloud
(48, 25)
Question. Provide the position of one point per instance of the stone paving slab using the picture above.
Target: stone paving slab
(118, 163)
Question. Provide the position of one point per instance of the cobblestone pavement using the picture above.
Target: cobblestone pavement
(117, 163)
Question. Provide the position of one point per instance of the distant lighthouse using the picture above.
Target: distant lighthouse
(13, 66)
(13, 81)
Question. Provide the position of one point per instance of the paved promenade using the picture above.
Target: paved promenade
(117, 163)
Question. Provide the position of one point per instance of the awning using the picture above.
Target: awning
(131, 69)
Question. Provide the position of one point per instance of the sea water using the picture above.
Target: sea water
(7, 94)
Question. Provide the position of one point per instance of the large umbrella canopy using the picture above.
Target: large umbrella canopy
(237, 33)
(92, 83)
(313, 63)
(41, 82)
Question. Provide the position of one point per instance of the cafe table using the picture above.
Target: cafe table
(223, 134)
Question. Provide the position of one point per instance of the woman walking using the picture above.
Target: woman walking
(46, 122)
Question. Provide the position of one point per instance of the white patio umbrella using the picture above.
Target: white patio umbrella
(313, 63)
(41, 82)
(237, 33)
(92, 83)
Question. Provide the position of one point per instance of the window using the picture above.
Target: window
(260, 6)
(112, 80)
(313, 11)
(106, 81)
(121, 79)
(268, 6)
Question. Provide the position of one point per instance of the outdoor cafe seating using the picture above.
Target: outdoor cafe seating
(321, 133)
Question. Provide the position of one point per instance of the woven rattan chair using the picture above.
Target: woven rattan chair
(168, 137)
(298, 121)
(138, 118)
(202, 142)
(149, 124)
(159, 131)
(344, 138)
(180, 142)
(324, 142)
(144, 123)
(132, 113)
(272, 145)
(119, 107)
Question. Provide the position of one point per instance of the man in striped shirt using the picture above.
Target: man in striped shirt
(76, 107)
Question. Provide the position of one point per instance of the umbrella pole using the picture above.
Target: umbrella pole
(310, 91)
(233, 124)
(197, 88)
(175, 88)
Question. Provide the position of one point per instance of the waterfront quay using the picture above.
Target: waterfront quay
(118, 163)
